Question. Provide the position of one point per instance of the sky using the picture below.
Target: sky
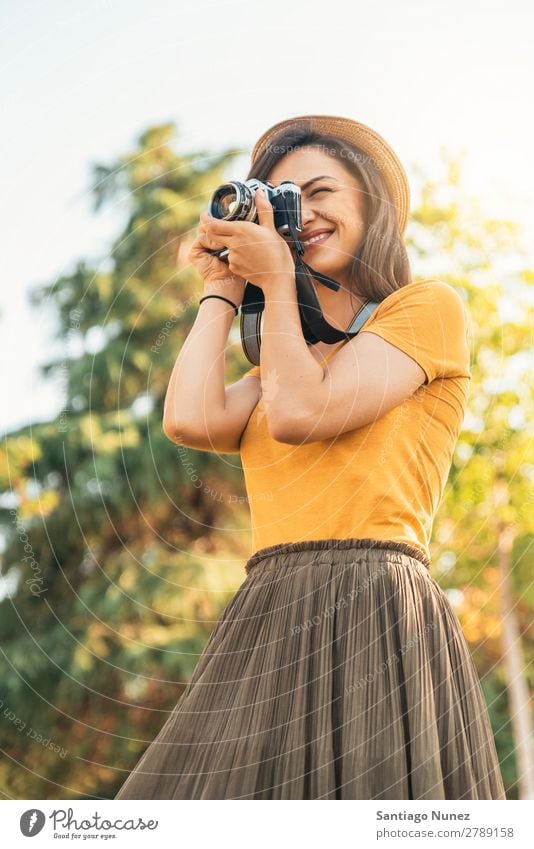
(82, 81)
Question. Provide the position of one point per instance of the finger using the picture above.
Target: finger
(265, 210)
(202, 229)
(218, 227)
(206, 241)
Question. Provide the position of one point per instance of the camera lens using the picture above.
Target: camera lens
(233, 202)
(224, 202)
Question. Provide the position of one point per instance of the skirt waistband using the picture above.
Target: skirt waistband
(336, 544)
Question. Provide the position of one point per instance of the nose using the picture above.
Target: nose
(307, 213)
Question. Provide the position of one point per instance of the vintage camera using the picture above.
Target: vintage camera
(234, 201)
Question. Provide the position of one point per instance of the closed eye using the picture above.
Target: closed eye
(319, 190)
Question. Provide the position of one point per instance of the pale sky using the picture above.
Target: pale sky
(82, 80)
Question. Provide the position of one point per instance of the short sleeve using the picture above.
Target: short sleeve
(427, 319)
(252, 372)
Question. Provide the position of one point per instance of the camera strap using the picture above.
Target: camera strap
(315, 328)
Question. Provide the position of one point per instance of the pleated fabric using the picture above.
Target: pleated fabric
(337, 671)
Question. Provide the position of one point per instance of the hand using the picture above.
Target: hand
(218, 277)
(257, 252)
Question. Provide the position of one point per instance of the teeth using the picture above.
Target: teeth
(316, 238)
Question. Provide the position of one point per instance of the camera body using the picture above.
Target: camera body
(234, 201)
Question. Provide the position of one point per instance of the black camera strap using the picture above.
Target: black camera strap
(315, 328)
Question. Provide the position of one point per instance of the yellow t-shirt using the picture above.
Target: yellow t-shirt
(384, 480)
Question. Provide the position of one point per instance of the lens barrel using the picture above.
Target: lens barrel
(233, 202)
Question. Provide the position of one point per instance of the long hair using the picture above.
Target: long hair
(381, 265)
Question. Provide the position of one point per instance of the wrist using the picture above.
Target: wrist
(231, 288)
(281, 286)
(223, 303)
(228, 286)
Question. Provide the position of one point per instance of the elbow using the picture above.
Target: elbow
(195, 435)
(290, 417)
(169, 424)
(176, 432)
(178, 427)
(177, 419)
(285, 427)
(171, 431)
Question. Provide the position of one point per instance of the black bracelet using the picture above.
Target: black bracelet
(222, 299)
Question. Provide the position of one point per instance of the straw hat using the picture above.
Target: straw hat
(363, 137)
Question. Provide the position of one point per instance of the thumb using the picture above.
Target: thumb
(265, 209)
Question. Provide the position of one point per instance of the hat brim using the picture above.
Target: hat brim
(368, 140)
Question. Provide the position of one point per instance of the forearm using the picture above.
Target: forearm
(196, 391)
(293, 378)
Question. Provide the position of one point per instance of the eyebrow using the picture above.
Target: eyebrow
(315, 179)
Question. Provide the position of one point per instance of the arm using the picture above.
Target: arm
(199, 411)
(365, 380)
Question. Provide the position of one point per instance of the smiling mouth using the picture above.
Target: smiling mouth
(317, 240)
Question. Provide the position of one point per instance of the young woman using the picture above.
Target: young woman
(339, 669)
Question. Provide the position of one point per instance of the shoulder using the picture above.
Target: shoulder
(428, 320)
(429, 299)
(427, 290)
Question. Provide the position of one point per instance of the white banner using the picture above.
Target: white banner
(218, 823)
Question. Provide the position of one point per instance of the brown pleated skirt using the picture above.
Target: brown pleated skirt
(337, 671)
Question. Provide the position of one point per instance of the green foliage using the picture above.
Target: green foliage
(128, 565)
(486, 514)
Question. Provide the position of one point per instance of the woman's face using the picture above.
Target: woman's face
(334, 204)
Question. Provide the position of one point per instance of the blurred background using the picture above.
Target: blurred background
(118, 551)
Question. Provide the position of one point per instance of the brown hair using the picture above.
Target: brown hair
(381, 265)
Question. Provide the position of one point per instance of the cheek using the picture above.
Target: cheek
(347, 219)
(350, 224)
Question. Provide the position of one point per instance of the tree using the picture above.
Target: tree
(483, 532)
(132, 545)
